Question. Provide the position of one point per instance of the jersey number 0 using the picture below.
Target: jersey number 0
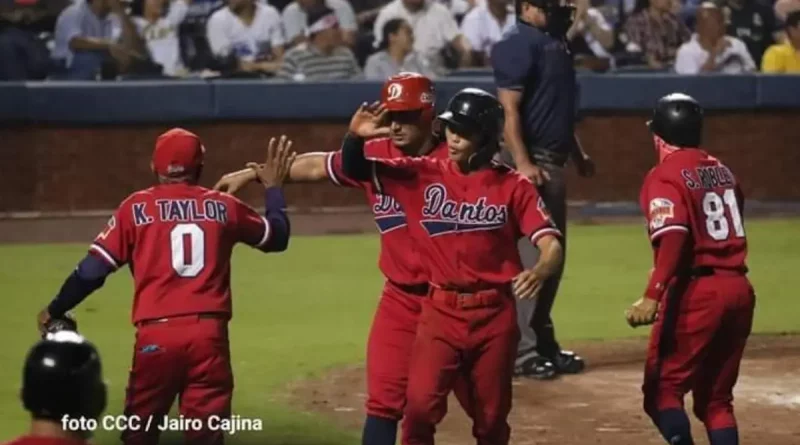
(717, 224)
(188, 249)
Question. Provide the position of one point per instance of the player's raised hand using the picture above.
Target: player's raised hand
(369, 121)
(280, 157)
(233, 182)
(528, 283)
(643, 312)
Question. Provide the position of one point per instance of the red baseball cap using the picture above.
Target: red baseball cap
(177, 153)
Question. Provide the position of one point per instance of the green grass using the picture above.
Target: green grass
(300, 313)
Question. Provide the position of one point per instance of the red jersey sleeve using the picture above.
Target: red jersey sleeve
(373, 149)
(399, 172)
(249, 226)
(530, 212)
(115, 243)
(664, 207)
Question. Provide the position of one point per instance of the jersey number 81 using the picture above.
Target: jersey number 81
(717, 224)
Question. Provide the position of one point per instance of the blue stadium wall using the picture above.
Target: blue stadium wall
(82, 146)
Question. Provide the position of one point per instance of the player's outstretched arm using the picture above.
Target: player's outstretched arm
(551, 255)
(272, 175)
(365, 124)
(89, 276)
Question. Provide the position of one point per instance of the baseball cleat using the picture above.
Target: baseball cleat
(536, 367)
(567, 362)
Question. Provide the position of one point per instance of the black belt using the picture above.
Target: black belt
(549, 157)
(707, 271)
(420, 289)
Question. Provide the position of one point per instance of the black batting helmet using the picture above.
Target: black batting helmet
(474, 111)
(678, 120)
(63, 376)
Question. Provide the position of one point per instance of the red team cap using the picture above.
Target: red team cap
(408, 92)
(177, 153)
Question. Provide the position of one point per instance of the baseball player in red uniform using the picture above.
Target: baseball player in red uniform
(698, 294)
(62, 378)
(465, 214)
(409, 99)
(177, 239)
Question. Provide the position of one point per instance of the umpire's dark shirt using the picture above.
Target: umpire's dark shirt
(530, 61)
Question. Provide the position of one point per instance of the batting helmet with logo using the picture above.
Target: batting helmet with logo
(678, 120)
(63, 376)
(409, 92)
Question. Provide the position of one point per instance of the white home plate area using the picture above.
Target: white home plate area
(603, 405)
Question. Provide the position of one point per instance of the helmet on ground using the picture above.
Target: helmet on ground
(678, 120)
(409, 91)
(472, 111)
(63, 376)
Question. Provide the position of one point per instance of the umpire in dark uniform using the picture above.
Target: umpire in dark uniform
(536, 82)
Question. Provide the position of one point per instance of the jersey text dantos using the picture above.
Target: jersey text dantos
(177, 240)
(399, 258)
(693, 192)
(467, 225)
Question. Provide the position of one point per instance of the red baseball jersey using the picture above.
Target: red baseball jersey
(40, 440)
(693, 192)
(177, 240)
(466, 225)
(400, 257)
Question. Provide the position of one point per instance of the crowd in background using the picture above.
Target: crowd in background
(309, 40)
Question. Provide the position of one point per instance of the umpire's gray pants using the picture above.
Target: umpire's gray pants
(533, 317)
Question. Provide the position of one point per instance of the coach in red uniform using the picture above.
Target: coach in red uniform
(698, 294)
(465, 214)
(177, 238)
(409, 100)
(62, 378)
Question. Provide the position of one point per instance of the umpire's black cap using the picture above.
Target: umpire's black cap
(678, 120)
(63, 376)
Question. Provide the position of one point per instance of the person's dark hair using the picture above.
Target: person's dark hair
(793, 19)
(137, 8)
(391, 27)
(317, 14)
(640, 5)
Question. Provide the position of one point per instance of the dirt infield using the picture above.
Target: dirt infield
(601, 406)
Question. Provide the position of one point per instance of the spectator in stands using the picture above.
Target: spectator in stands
(295, 17)
(436, 33)
(248, 35)
(96, 37)
(157, 22)
(783, 8)
(459, 8)
(397, 53)
(366, 12)
(23, 54)
(591, 38)
(323, 56)
(656, 32)
(710, 50)
(784, 58)
(754, 23)
(484, 25)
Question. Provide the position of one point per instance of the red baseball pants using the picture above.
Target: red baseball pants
(478, 344)
(391, 339)
(696, 345)
(188, 357)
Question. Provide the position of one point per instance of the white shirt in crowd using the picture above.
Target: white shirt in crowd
(457, 7)
(583, 29)
(162, 37)
(482, 29)
(735, 59)
(433, 25)
(228, 35)
(295, 18)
